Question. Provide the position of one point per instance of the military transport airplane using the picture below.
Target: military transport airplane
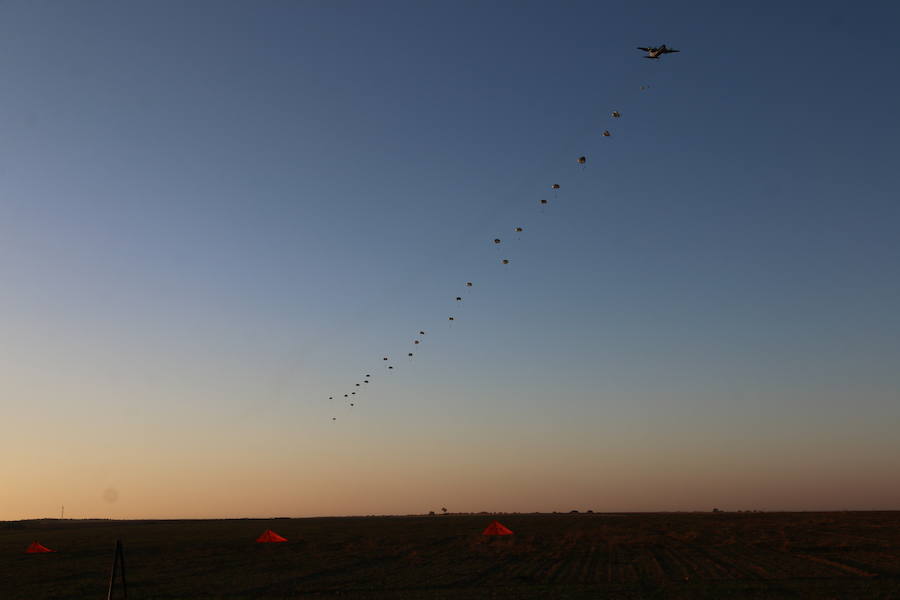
(657, 52)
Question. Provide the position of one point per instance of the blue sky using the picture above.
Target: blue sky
(215, 216)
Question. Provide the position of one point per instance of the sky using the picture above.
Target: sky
(216, 215)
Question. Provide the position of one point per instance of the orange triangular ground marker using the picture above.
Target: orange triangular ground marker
(269, 536)
(35, 548)
(496, 528)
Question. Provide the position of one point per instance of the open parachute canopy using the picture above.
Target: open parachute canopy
(582, 160)
(616, 114)
(555, 186)
(543, 201)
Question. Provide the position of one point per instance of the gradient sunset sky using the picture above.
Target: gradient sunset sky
(215, 215)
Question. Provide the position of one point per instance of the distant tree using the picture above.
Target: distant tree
(573, 512)
(444, 510)
(431, 513)
(590, 512)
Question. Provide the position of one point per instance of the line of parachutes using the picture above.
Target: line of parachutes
(517, 230)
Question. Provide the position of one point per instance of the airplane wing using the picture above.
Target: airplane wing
(644, 49)
(668, 50)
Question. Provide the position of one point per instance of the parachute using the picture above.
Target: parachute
(496, 528)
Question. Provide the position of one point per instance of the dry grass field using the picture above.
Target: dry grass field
(677, 555)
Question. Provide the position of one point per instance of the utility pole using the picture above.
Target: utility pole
(62, 511)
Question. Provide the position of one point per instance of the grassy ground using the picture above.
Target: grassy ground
(725, 555)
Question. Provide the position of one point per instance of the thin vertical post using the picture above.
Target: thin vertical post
(118, 567)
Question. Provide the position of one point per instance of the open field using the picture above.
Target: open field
(677, 555)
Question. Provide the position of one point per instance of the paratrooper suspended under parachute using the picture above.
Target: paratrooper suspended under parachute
(616, 114)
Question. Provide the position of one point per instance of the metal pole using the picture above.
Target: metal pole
(118, 557)
(115, 568)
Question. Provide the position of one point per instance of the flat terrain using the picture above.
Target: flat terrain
(677, 555)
